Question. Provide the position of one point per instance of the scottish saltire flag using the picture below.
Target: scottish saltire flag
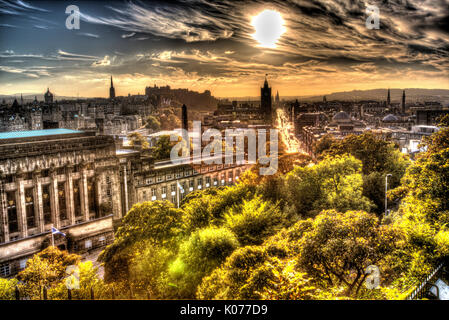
(180, 187)
(56, 231)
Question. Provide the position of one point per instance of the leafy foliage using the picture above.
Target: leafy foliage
(198, 256)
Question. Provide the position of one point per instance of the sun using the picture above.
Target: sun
(269, 27)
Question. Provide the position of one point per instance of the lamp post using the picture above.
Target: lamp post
(386, 189)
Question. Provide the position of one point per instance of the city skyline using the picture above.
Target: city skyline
(323, 47)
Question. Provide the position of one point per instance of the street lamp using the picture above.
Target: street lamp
(386, 189)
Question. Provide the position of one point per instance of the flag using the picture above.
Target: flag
(56, 231)
(179, 186)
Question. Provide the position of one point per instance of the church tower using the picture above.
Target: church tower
(265, 100)
(111, 91)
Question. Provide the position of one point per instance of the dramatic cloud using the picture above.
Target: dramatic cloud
(205, 44)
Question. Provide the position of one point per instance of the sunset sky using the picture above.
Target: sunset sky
(324, 46)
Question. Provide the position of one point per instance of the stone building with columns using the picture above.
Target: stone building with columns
(81, 184)
(57, 177)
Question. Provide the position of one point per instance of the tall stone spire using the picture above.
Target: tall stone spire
(111, 90)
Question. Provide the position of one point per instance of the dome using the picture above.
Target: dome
(390, 118)
(341, 116)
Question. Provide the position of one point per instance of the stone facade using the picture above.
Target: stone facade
(80, 184)
(63, 180)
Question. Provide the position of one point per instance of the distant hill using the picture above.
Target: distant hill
(412, 95)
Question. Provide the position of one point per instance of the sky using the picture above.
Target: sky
(323, 46)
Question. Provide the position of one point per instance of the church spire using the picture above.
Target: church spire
(111, 90)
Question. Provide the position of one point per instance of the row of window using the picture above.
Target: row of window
(209, 182)
(31, 209)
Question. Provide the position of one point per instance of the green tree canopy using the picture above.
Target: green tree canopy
(201, 253)
(340, 246)
(46, 268)
(153, 123)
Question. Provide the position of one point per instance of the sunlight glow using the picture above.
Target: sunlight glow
(269, 27)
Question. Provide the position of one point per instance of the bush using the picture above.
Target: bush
(205, 250)
(7, 289)
(254, 220)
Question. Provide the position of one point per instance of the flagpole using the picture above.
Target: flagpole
(52, 237)
(177, 192)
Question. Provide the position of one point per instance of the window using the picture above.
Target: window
(153, 192)
(88, 244)
(23, 264)
(102, 240)
(62, 201)
(159, 178)
(164, 190)
(29, 208)
(12, 212)
(91, 196)
(77, 198)
(46, 203)
(173, 199)
(5, 270)
(173, 187)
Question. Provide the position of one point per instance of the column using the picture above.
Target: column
(39, 207)
(69, 187)
(3, 210)
(21, 210)
(54, 198)
(84, 194)
(125, 189)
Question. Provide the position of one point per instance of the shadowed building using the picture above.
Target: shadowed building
(80, 184)
(58, 177)
(266, 100)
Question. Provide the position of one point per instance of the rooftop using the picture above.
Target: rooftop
(35, 133)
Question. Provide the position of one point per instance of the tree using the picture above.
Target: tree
(88, 281)
(7, 289)
(340, 246)
(254, 220)
(232, 279)
(334, 183)
(208, 207)
(162, 148)
(46, 268)
(204, 250)
(137, 140)
(153, 123)
(289, 284)
(424, 210)
(155, 222)
(147, 269)
(378, 157)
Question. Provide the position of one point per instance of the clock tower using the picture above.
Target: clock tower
(266, 100)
